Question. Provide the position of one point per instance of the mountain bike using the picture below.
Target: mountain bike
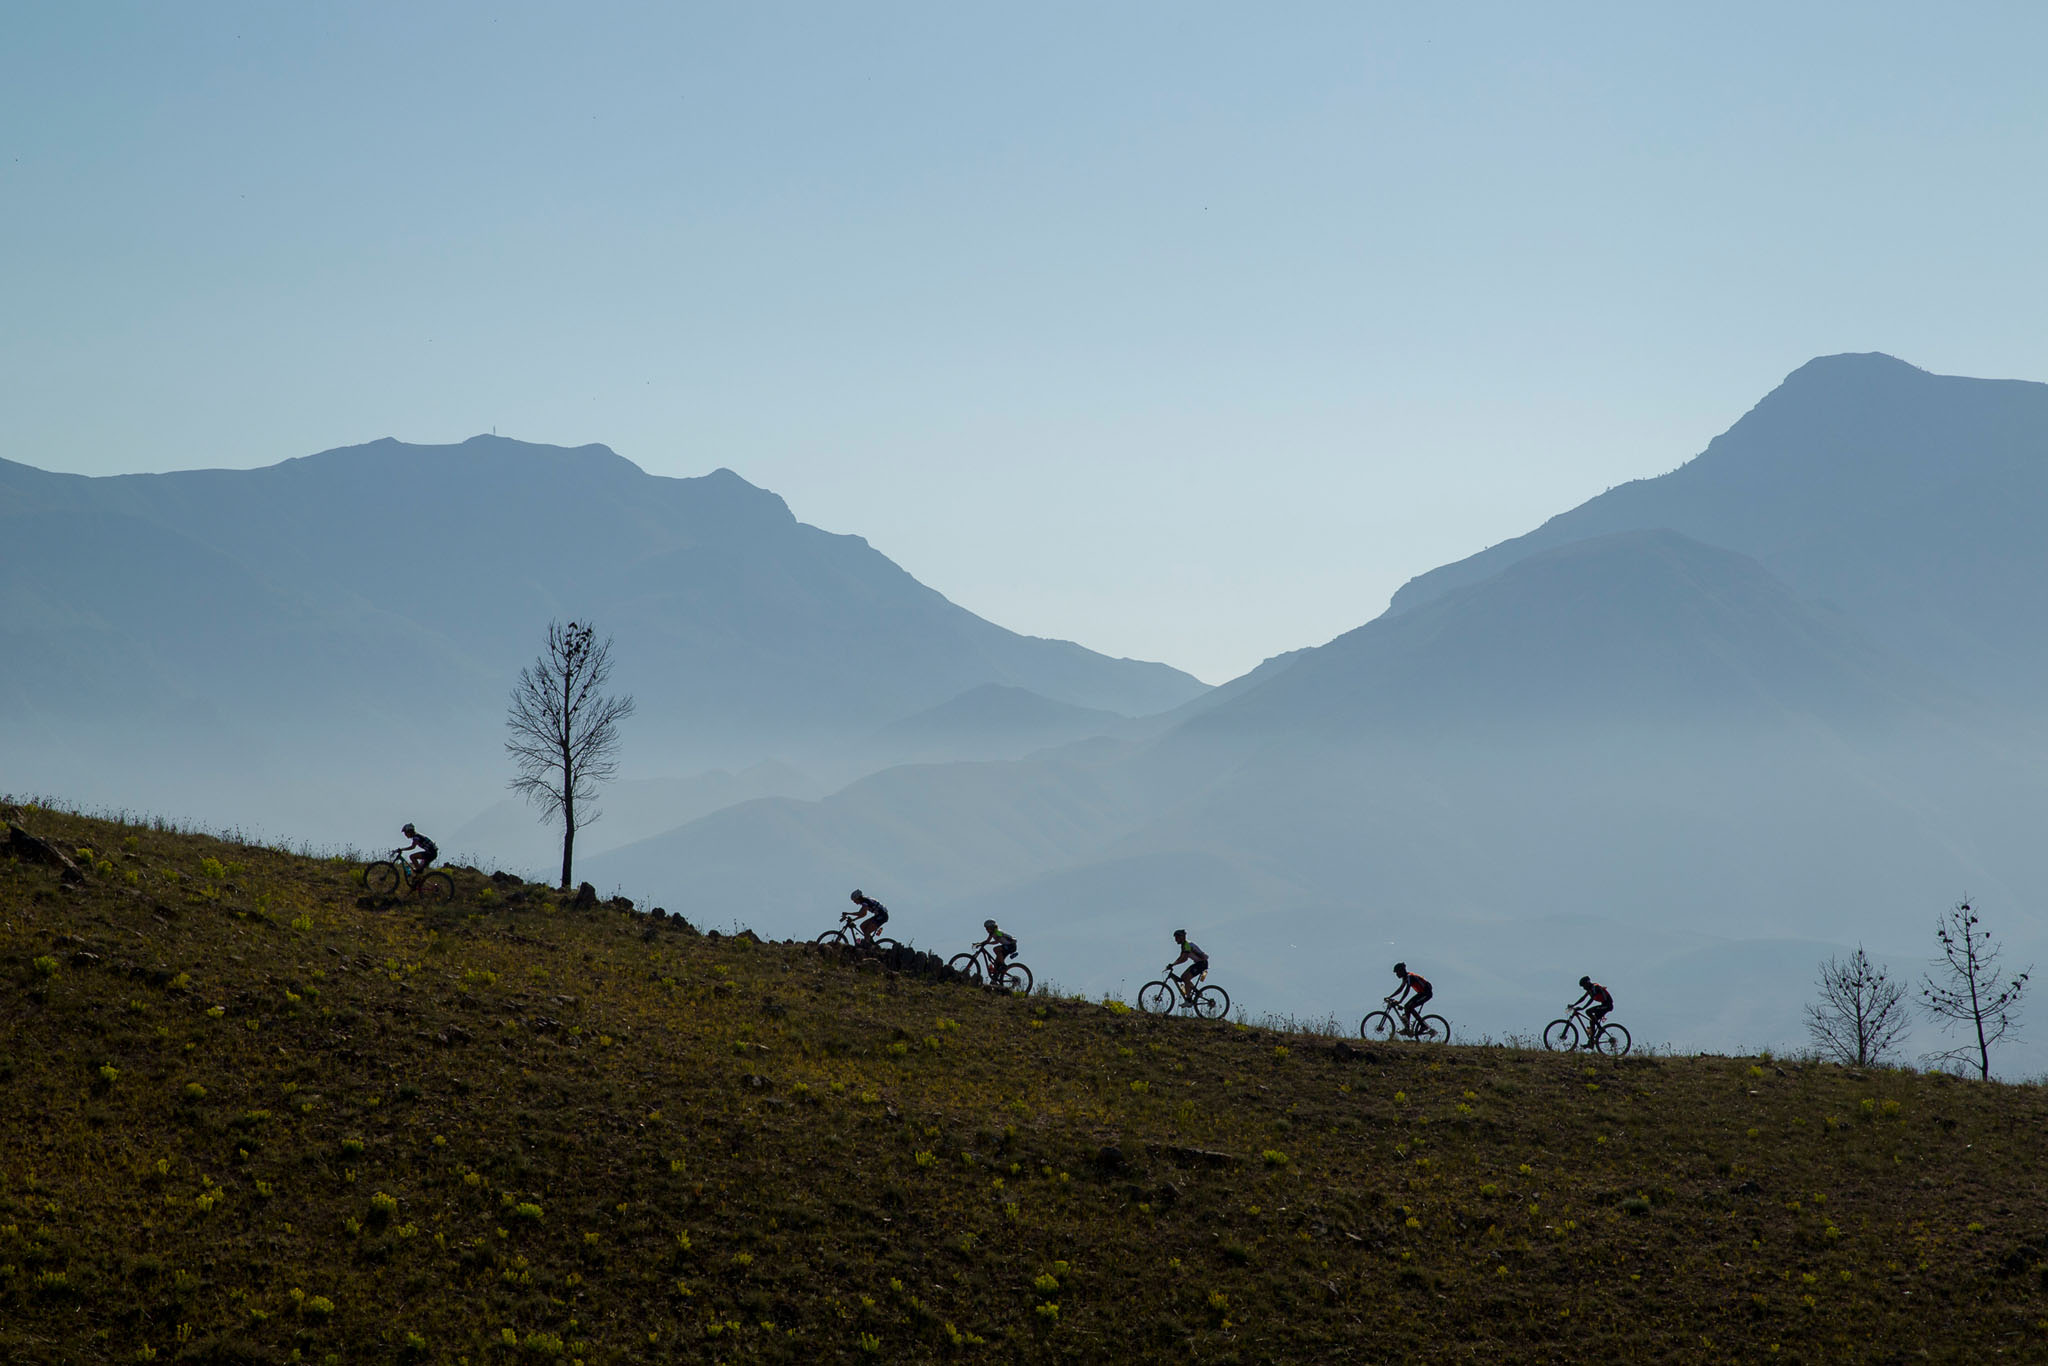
(976, 963)
(383, 878)
(1575, 1031)
(1383, 1025)
(850, 937)
(1160, 998)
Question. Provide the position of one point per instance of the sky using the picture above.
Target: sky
(1187, 331)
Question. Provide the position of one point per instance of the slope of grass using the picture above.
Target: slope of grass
(244, 1118)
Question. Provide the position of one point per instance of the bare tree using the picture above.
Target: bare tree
(1966, 989)
(565, 732)
(1861, 1013)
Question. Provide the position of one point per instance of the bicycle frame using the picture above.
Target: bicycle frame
(1399, 1010)
(401, 858)
(850, 922)
(986, 956)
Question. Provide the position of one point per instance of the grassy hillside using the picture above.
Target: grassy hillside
(244, 1118)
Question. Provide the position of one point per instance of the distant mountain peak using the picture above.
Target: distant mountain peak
(1910, 500)
(1860, 363)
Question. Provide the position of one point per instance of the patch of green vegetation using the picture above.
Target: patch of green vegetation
(513, 1131)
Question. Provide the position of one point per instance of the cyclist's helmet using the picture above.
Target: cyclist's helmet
(856, 894)
(989, 925)
(1585, 981)
(1400, 969)
(408, 829)
(1180, 936)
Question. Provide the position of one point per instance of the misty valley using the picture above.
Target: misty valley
(1693, 736)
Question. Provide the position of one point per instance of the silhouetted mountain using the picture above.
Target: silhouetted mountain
(1597, 670)
(1913, 502)
(1628, 751)
(385, 595)
(1645, 627)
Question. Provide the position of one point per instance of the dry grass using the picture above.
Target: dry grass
(247, 1119)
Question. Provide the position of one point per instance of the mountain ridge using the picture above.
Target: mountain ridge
(1910, 500)
(390, 590)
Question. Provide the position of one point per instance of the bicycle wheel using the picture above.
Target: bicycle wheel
(968, 965)
(1156, 998)
(1561, 1036)
(884, 945)
(831, 939)
(1212, 1003)
(437, 887)
(1016, 977)
(381, 878)
(1378, 1026)
(1613, 1041)
(1434, 1029)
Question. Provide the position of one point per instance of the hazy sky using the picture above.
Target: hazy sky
(1186, 331)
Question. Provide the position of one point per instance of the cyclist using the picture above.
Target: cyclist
(425, 850)
(1602, 1002)
(877, 914)
(1419, 985)
(1005, 946)
(1197, 961)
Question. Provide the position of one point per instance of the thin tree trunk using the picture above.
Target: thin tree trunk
(1977, 1019)
(568, 778)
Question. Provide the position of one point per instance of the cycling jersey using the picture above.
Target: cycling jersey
(425, 846)
(1416, 982)
(1600, 994)
(1193, 950)
(873, 907)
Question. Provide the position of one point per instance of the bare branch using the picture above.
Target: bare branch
(1861, 1014)
(1966, 990)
